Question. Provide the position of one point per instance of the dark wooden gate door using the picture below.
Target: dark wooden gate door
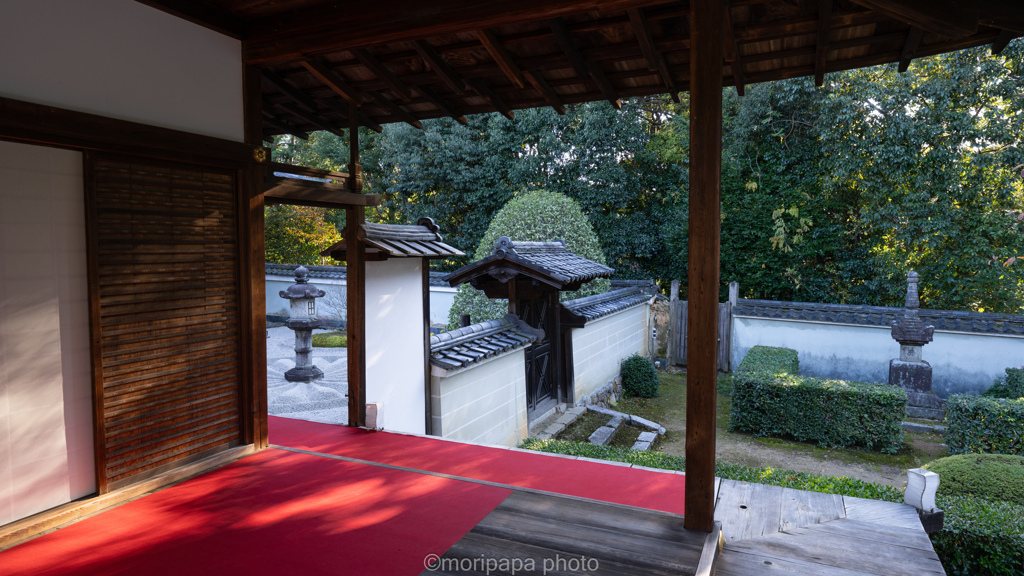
(541, 385)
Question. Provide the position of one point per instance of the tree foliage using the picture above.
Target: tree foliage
(538, 216)
(829, 194)
(297, 234)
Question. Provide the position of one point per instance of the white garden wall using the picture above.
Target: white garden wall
(124, 60)
(394, 343)
(599, 348)
(46, 429)
(485, 403)
(962, 362)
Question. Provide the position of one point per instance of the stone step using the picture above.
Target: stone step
(644, 441)
(603, 435)
(924, 428)
(937, 414)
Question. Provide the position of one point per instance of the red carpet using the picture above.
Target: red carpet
(641, 488)
(275, 513)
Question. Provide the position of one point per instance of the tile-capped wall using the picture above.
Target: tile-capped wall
(600, 347)
(484, 404)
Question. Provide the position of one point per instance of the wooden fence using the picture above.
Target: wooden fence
(677, 328)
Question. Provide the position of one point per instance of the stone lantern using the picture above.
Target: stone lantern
(302, 319)
(910, 371)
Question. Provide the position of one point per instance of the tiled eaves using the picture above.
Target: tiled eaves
(598, 305)
(458, 349)
(946, 320)
(554, 259)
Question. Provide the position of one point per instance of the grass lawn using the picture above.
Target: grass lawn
(330, 340)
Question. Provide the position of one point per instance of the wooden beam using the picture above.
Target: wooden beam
(344, 110)
(944, 17)
(48, 125)
(583, 68)
(305, 116)
(442, 104)
(1002, 14)
(286, 88)
(338, 84)
(202, 13)
(333, 81)
(384, 73)
(502, 56)
(433, 59)
(355, 264)
(293, 34)
(428, 413)
(545, 89)
(92, 255)
(655, 59)
(281, 126)
(914, 36)
(484, 90)
(1002, 41)
(821, 49)
(278, 190)
(732, 50)
(706, 33)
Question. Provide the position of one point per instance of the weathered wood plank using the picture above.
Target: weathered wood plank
(870, 532)
(803, 508)
(748, 510)
(813, 545)
(884, 513)
(752, 563)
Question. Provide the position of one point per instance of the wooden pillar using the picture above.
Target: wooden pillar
(702, 329)
(253, 339)
(427, 414)
(355, 261)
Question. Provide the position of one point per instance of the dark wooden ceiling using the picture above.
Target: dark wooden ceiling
(406, 61)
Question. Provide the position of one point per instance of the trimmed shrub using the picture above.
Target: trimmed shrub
(769, 400)
(984, 425)
(989, 476)
(980, 536)
(1009, 386)
(770, 360)
(330, 340)
(639, 377)
(538, 216)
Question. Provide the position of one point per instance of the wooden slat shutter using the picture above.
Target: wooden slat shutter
(167, 277)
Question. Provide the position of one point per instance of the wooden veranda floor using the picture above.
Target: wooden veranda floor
(331, 499)
(772, 530)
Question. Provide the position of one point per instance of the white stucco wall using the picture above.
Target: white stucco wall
(599, 348)
(46, 447)
(485, 403)
(441, 302)
(394, 343)
(961, 362)
(124, 60)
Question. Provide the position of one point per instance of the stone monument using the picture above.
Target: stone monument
(302, 319)
(910, 371)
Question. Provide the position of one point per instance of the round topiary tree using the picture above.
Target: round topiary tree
(989, 476)
(539, 216)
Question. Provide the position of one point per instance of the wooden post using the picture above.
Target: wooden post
(252, 272)
(355, 293)
(705, 209)
(427, 413)
(674, 327)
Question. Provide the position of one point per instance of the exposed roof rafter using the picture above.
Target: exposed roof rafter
(655, 59)
(914, 36)
(732, 50)
(583, 68)
(502, 56)
(545, 89)
(821, 49)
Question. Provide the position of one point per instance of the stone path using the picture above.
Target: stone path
(321, 401)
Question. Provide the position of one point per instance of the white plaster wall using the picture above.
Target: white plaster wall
(961, 362)
(441, 302)
(46, 448)
(394, 342)
(599, 348)
(124, 60)
(485, 404)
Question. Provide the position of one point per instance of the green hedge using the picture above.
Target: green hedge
(985, 425)
(770, 360)
(639, 378)
(770, 400)
(980, 536)
(1009, 386)
(991, 476)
